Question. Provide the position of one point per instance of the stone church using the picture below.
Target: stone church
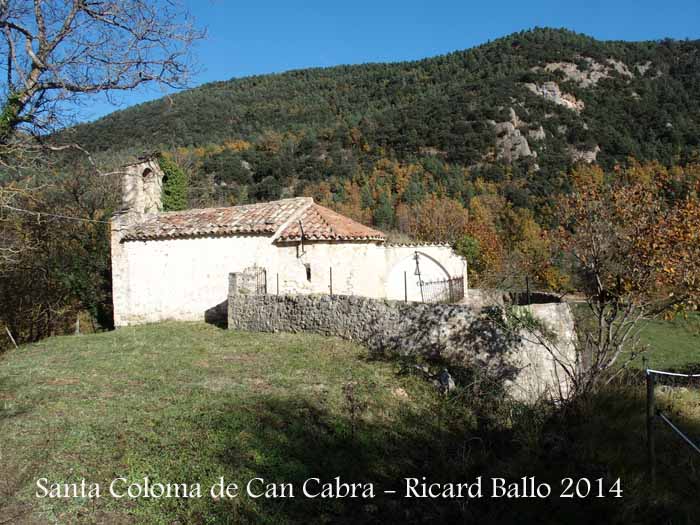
(175, 265)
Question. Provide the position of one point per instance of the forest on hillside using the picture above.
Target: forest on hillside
(475, 148)
(548, 160)
(510, 118)
(637, 99)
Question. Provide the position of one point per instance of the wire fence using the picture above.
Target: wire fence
(656, 412)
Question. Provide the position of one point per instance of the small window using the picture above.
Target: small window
(308, 272)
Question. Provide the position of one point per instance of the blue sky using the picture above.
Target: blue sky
(246, 38)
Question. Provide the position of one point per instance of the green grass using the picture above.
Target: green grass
(668, 344)
(189, 403)
(673, 344)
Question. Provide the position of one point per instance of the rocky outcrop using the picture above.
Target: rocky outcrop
(643, 68)
(583, 155)
(432, 151)
(551, 91)
(584, 78)
(620, 67)
(591, 73)
(510, 142)
(537, 134)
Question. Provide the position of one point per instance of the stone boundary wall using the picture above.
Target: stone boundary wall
(457, 333)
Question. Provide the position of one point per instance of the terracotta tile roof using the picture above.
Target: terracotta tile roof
(251, 219)
(322, 224)
(418, 244)
(267, 218)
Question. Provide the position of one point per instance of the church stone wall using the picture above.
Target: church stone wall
(184, 278)
(458, 333)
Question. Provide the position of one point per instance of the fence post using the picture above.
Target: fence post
(420, 279)
(278, 284)
(527, 288)
(405, 288)
(331, 278)
(651, 415)
(465, 281)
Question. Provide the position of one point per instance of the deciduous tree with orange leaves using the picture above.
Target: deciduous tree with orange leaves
(633, 241)
(438, 219)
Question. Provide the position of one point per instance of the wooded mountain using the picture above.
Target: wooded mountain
(473, 148)
(521, 108)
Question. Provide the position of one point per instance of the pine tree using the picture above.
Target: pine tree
(174, 185)
(384, 211)
(366, 197)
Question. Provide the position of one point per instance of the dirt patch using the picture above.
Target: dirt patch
(258, 384)
(61, 382)
(239, 358)
(400, 393)
(219, 384)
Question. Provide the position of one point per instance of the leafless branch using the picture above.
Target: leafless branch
(72, 49)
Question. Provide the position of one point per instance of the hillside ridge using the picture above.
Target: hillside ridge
(525, 107)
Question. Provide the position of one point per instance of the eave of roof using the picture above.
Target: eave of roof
(284, 220)
(249, 219)
(318, 223)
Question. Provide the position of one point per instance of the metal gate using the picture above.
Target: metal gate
(445, 291)
(260, 280)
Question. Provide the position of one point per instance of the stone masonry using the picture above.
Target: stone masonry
(457, 333)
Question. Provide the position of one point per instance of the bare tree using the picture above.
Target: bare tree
(54, 53)
(8, 242)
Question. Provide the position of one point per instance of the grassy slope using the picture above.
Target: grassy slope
(673, 344)
(189, 402)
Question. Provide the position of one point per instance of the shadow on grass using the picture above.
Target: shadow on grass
(294, 440)
(688, 368)
(217, 315)
(289, 440)
(476, 432)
